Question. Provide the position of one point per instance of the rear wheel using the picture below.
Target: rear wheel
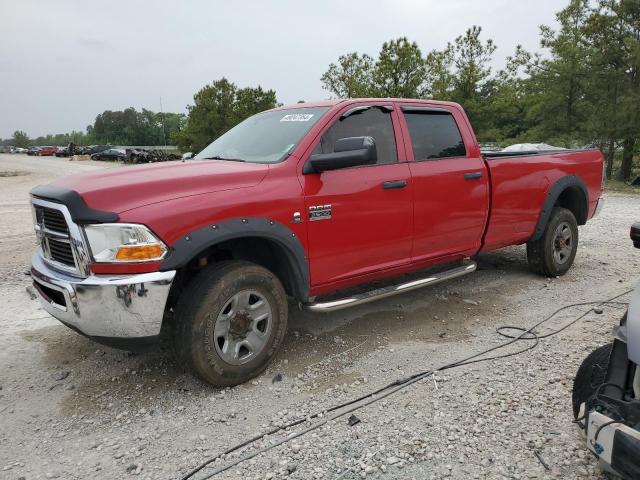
(230, 319)
(553, 253)
(590, 376)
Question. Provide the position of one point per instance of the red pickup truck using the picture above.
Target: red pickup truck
(301, 202)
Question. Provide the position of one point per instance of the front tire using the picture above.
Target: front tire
(553, 253)
(590, 376)
(231, 319)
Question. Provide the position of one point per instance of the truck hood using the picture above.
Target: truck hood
(120, 189)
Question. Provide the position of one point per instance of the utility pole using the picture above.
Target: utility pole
(164, 136)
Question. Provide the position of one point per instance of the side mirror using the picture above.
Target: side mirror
(347, 152)
(635, 234)
(188, 155)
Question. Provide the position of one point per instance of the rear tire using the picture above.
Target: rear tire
(590, 376)
(230, 320)
(553, 253)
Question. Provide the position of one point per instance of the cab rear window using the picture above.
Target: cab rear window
(434, 134)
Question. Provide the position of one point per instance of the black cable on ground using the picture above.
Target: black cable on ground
(391, 388)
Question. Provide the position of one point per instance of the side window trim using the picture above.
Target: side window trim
(362, 108)
(433, 111)
(413, 109)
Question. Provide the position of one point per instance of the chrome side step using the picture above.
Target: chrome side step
(467, 266)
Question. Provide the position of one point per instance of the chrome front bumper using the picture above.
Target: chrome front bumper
(117, 306)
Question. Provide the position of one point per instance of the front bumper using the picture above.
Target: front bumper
(106, 308)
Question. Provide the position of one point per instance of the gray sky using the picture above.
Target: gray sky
(63, 62)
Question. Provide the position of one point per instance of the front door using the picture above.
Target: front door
(360, 218)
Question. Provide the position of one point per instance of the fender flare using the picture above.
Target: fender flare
(552, 197)
(197, 241)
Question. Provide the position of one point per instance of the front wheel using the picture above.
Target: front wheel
(591, 375)
(553, 253)
(231, 319)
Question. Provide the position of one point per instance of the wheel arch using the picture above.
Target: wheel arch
(259, 240)
(569, 192)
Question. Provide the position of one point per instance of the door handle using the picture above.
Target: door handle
(473, 176)
(394, 184)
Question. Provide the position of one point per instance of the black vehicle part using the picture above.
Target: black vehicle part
(625, 455)
(569, 192)
(615, 396)
(590, 377)
(194, 244)
(79, 211)
(619, 371)
(635, 234)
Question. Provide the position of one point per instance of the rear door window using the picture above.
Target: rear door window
(372, 122)
(434, 134)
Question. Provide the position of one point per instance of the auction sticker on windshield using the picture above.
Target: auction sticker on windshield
(297, 117)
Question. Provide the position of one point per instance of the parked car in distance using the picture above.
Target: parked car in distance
(91, 149)
(47, 151)
(33, 151)
(303, 202)
(17, 150)
(80, 150)
(62, 152)
(113, 154)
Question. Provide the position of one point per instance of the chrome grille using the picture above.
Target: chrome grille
(54, 220)
(54, 236)
(60, 238)
(60, 251)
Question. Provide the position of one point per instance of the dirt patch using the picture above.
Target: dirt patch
(13, 173)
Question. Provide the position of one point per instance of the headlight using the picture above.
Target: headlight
(123, 242)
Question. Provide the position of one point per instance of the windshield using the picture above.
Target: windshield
(264, 138)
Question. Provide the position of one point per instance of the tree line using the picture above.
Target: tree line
(582, 90)
(120, 127)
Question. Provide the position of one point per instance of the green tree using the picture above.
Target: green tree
(399, 70)
(471, 57)
(471, 83)
(20, 139)
(439, 77)
(219, 107)
(130, 127)
(351, 77)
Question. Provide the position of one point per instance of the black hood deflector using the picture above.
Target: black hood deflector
(79, 211)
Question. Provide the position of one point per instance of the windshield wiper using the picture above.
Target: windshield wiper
(218, 157)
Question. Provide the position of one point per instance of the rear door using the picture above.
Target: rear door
(450, 182)
(360, 218)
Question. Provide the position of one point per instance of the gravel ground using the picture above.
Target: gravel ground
(72, 409)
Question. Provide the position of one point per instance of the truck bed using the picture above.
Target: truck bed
(521, 182)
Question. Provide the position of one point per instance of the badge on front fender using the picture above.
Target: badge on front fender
(320, 212)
